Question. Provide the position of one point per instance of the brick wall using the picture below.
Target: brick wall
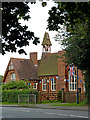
(33, 57)
(70, 97)
(8, 76)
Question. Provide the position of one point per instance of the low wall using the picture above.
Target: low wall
(71, 97)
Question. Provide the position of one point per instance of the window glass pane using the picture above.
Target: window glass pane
(75, 79)
(53, 84)
(72, 78)
(75, 86)
(34, 86)
(72, 86)
(54, 87)
(44, 84)
(54, 81)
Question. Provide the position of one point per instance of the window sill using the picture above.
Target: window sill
(72, 90)
(53, 90)
(44, 90)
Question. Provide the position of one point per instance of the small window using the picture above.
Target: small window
(44, 84)
(13, 77)
(34, 85)
(53, 84)
(10, 66)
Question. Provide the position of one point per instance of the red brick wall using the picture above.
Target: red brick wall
(72, 96)
(59, 85)
(8, 76)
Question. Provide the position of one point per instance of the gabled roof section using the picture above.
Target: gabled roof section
(25, 68)
(46, 39)
(48, 65)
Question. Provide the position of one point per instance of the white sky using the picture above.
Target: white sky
(36, 24)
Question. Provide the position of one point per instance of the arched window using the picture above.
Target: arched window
(72, 81)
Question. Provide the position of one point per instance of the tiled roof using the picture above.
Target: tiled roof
(48, 65)
(46, 39)
(25, 68)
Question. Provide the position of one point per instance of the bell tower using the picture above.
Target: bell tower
(46, 43)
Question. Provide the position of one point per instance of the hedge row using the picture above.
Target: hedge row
(11, 96)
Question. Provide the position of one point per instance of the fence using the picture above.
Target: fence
(28, 98)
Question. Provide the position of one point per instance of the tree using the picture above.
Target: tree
(71, 15)
(75, 17)
(15, 36)
(1, 77)
(68, 14)
(78, 48)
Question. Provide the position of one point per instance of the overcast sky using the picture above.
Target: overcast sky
(37, 24)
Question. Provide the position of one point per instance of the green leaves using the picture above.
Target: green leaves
(74, 16)
(14, 85)
(77, 47)
(14, 35)
(69, 13)
(44, 4)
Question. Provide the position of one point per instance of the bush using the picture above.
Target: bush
(59, 95)
(11, 96)
(14, 85)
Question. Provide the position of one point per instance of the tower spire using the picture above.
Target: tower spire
(46, 43)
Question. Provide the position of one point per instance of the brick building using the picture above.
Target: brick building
(48, 75)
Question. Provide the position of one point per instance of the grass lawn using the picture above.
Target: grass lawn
(52, 103)
(70, 104)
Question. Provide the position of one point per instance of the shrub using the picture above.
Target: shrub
(14, 85)
(11, 96)
(59, 95)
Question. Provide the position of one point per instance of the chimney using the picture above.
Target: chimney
(33, 57)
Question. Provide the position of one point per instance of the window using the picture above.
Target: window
(44, 84)
(34, 85)
(72, 82)
(13, 77)
(53, 84)
(11, 65)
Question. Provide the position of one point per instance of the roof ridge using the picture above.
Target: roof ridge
(19, 58)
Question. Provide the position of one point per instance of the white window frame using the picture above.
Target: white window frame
(72, 82)
(13, 76)
(44, 84)
(53, 84)
(36, 86)
(10, 66)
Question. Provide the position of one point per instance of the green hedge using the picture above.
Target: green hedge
(11, 96)
(16, 85)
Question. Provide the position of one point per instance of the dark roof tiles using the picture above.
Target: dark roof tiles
(25, 68)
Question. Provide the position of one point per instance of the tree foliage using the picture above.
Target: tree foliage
(75, 17)
(1, 77)
(14, 85)
(14, 35)
(68, 14)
